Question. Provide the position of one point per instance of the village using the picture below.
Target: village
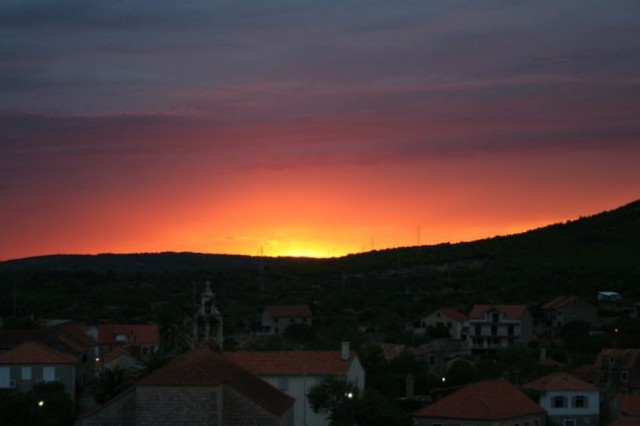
(497, 364)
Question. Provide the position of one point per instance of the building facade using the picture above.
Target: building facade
(495, 327)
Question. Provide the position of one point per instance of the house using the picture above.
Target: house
(567, 309)
(494, 327)
(446, 319)
(69, 338)
(295, 372)
(139, 339)
(120, 358)
(31, 362)
(568, 400)
(618, 368)
(200, 387)
(276, 318)
(489, 403)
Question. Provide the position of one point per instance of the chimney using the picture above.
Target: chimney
(345, 351)
(409, 386)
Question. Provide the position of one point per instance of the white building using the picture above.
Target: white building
(449, 318)
(295, 372)
(568, 400)
(276, 318)
(495, 327)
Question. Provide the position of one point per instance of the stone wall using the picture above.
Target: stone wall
(240, 411)
(177, 405)
(120, 411)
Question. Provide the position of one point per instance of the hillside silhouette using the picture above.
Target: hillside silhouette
(582, 256)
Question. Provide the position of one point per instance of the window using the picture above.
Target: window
(48, 374)
(496, 317)
(121, 337)
(624, 376)
(5, 377)
(478, 330)
(510, 330)
(283, 383)
(558, 402)
(494, 330)
(580, 401)
(25, 373)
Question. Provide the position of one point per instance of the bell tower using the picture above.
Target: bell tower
(207, 321)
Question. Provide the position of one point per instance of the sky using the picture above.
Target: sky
(310, 128)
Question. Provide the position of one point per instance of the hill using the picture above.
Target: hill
(593, 253)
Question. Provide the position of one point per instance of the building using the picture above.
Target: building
(495, 327)
(31, 362)
(295, 372)
(201, 387)
(276, 318)
(490, 403)
(568, 400)
(138, 339)
(567, 309)
(618, 369)
(445, 318)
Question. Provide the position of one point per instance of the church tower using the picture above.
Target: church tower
(207, 322)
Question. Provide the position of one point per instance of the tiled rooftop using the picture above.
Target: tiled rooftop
(490, 400)
(31, 352)
(204, 367)
(560, 382)
(292, 363)
(510, 312)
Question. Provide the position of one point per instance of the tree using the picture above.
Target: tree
(47, 404)
(342, 403)
(335, 398)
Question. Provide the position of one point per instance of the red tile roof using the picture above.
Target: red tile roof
(560, 382)
(627, 357)
(136, 334)
(204, 367)
(282, 311)
(292, 363)
(559, 302)
(114, 353)
(491, 400)
(510, 312)
(35, 353)
(454, 314)
(629, 404)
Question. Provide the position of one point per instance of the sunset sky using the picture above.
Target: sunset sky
(315, 128)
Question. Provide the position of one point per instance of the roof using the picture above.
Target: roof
(490, 400)
(560, 382)
(115, 353)
(280, 311)
(454, 314)
(559, 302)
(292, 363)
(136, 334)
(205, 367)
(510, 312)
(628, 357)
(629, 404)
(31, 352)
